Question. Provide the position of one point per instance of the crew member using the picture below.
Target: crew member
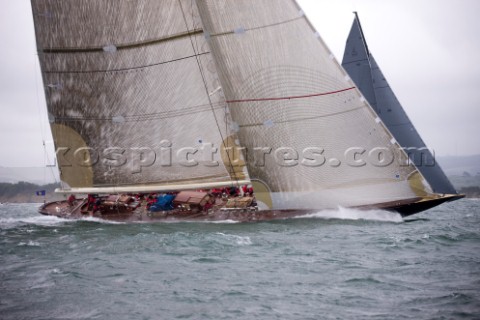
(71, 200)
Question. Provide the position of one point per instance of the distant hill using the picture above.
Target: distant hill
(25, 192)
(458, 165)
(463, 172)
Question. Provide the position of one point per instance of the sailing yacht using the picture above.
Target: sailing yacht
(175, 98)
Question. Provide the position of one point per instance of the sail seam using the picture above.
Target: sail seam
(291, 97)
(304, 119)
(400, 124)
(127, 69)
(350, 62)
(258, 28)
(125, 46)
(383, 87)
(148, 116)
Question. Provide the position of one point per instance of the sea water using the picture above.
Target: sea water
(337, 264)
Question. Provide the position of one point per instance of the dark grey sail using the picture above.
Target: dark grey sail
(364, 71)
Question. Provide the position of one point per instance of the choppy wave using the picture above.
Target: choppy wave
(223, 270)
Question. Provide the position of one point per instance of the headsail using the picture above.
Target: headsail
(364, 71)
(132, 96)
(318, 142)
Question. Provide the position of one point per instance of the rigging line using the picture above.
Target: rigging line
(225, 106)
(125, 69)
(40, 121)
(42, 127)
(208, 95)
(291, 97)
(38, 101)
(226, 143)
(48, 160)
(125, 46)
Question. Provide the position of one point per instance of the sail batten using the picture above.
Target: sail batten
(124, 46)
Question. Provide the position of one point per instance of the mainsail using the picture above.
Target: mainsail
(312, 139)
(363, 69)
(133, 96)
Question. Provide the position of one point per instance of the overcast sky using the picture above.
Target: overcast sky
(428, 51)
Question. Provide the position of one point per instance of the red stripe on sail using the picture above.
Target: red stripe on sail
(291, 97)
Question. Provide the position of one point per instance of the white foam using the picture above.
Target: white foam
(228, 221)
(356, 214)
(47, 221)
(241, 241)
(7, 223)
(99, 220)
(30, 243)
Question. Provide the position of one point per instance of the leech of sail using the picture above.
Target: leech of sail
(291, 97)
(126, 46)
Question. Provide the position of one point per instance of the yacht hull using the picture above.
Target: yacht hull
(79, 210)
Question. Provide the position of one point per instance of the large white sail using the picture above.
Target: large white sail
(364, 70)
(318, 142)
(133, 96)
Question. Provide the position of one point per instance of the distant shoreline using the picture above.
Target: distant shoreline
(26, 192)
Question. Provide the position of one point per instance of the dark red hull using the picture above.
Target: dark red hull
(125, 214)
